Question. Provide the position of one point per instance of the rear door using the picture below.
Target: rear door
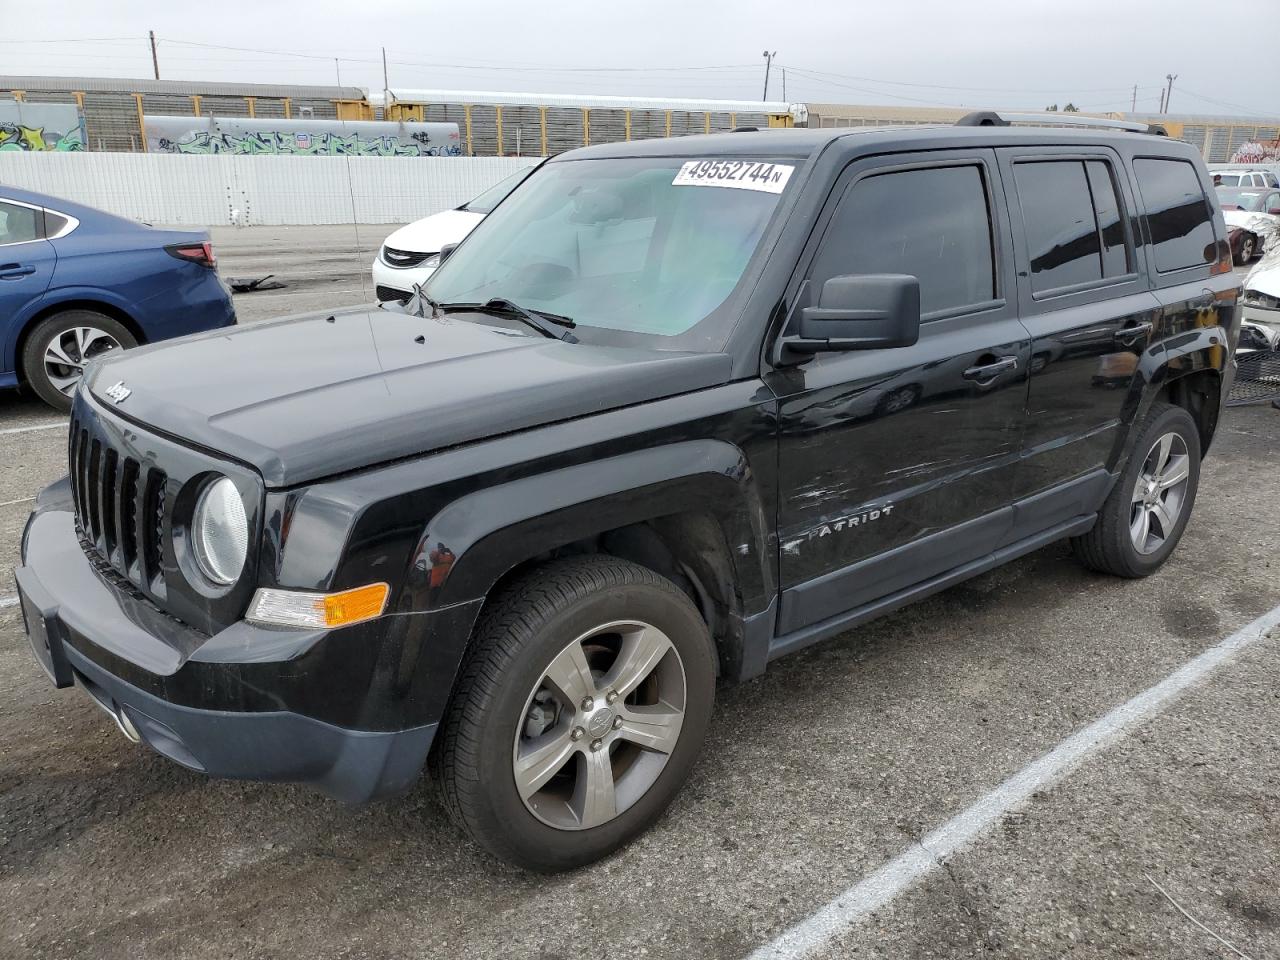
(1191, 273)
(26, 264)
(1084, 298)
(896, 465)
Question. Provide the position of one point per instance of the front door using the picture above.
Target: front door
(896, 465)
(1085, 299)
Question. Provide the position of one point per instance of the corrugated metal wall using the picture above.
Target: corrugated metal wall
(209, 190)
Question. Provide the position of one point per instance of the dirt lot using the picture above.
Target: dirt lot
(833, 764)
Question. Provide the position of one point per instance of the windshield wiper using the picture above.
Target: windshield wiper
(548, 324)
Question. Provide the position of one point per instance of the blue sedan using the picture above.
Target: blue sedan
(76, 283)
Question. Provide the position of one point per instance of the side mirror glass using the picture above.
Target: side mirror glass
(867, 312)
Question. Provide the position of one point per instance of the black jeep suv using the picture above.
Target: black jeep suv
(676, 408)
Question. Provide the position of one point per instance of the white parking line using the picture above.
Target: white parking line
(895, 877)
(39, 426)
(10, 503)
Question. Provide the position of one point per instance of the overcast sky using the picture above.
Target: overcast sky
(975, 54)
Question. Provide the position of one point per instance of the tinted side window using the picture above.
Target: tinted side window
(1179, 217)
(1106, 205)
(1057, 213)
(53, 223)
(17, 224)
(932, 224)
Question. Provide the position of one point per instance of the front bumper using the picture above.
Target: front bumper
(1263, 315)
(396, 283)
(226, 705)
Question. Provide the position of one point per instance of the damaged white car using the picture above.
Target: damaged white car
(1253, 216)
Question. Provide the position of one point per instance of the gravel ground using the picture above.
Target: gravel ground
(816, 774)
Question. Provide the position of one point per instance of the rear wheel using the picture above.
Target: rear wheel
(1143, 518)
(56, 351)
(579, 714)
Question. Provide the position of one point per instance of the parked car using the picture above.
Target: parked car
(412, 253)
(1261, 300)
(621, 455)
(1252, 216)
(78, 283)
(1244, 177)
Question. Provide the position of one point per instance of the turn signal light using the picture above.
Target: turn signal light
(319, 611)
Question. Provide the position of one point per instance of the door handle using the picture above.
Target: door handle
(1130, 335)
(15, 271)
(989, 371)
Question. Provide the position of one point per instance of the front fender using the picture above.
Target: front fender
(469, 544)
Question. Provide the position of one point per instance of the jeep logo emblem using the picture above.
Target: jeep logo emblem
(118, 392)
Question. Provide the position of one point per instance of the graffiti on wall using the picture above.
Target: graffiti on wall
(327, 138)
(1268, 152)
(40, 126)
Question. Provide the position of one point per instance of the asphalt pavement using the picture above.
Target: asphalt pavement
(837, 763)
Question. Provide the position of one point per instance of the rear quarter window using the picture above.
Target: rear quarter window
(1179, 217)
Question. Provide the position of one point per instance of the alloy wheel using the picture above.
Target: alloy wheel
(70, 350)
(599, 725)
(1159, 493)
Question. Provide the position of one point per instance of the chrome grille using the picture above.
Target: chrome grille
(402, 258)
(120, 508)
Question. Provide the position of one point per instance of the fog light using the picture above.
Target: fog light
(293, 608)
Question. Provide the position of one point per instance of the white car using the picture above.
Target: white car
(1261, 300)
(412, 253)
(1244, 177)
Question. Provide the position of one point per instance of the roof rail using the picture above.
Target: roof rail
(992, 118)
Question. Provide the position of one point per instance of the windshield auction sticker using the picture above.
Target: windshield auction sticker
(738, 174)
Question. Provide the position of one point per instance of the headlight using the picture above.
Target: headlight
(1259, 299)
(432, 261)
(220, 532)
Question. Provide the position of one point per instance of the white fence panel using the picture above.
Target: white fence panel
(269, 190)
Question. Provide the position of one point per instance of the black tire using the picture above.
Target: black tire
(518, 636)
(1109, 546)
(1248, 247)
(34, 371)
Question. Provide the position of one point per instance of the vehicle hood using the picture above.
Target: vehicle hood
(1265, 276)
(429, 234)
(308, 397)
(1253, 222)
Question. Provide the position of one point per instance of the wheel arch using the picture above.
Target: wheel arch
(690, 511)
(106, 308)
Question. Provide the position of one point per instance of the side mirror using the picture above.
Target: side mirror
(447, 249)
(1274, 211)
(868, 312)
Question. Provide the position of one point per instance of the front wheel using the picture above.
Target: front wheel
(580, 712)
(1142, 519)
(1247, 249)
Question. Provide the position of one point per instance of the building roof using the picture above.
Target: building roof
(203, 88)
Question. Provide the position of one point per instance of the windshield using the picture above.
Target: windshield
(496, 194)
(1250, 200)
(635, 251)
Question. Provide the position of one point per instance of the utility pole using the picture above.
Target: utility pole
(784, 82)
(155, 59)
(1169, 90)
(1133, 108)
(768, 59)
(386, 88)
